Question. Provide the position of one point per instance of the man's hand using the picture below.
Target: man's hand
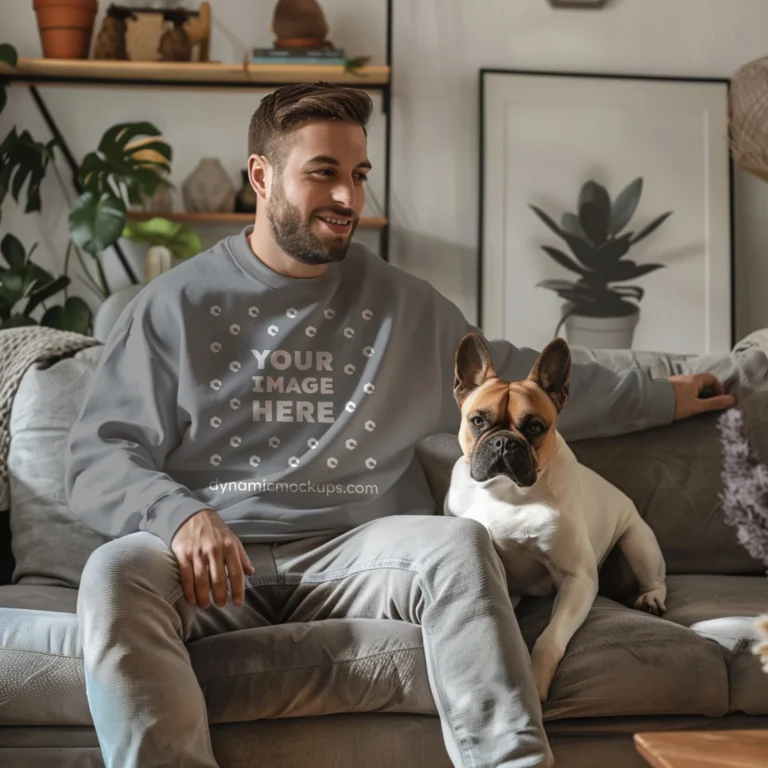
(204, 547)
(687, 389)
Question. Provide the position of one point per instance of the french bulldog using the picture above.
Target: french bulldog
(553, 521)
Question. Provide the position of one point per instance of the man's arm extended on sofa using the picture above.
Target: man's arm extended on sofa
(602, 403)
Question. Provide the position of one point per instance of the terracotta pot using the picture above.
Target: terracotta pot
(66, 27)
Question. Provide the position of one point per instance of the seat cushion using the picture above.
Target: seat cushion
(722, 609)
(623, 662)
(317, 668)
(696, 660)
(41, 667)
(290, 670)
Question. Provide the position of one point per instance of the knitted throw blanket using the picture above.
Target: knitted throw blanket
(20, 348)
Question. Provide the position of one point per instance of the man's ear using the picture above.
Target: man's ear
(260, 175)
(552, 372)
(473, 366)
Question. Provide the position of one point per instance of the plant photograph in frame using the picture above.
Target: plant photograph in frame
(605, 211)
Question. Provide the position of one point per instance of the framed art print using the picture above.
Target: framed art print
(606, 211)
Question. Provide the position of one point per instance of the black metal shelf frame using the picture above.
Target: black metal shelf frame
(385, 88)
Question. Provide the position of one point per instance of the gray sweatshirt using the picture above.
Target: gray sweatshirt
(291, 406)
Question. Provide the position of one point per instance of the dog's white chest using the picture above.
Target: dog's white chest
(567, 522)
(523, 533)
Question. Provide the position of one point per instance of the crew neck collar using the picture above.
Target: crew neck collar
(299, 286)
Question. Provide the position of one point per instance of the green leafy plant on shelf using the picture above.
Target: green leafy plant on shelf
(124, 171)
(596, 239)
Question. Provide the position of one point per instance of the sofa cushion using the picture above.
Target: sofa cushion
(50, 543)
(41, 667)
(622, 663)
(723, 610)
(696, 660)
(673, 474)
(289, 670)
(315, 668)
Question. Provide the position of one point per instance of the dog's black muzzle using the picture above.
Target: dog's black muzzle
(503, 453)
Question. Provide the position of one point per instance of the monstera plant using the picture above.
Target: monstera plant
(24, 285)
(599, 240)
(120, 173)
(124, 171)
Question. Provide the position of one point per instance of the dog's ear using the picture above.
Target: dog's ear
(473, 366)
(552, 372)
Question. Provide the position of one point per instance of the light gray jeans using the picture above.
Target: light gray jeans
(440, 573)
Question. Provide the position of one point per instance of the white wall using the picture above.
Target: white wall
(439, 46)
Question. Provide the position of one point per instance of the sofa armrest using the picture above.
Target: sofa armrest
(7, 563)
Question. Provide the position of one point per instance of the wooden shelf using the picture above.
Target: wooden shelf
(367, 222)
(186, 74)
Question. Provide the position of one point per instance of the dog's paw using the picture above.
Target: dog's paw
(653, 601)
(545, 659)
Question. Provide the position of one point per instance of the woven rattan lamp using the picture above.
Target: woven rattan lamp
(749, 117)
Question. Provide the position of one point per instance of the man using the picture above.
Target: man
(252, 423)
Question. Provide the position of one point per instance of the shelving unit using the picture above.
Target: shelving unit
(366, 222)
(147, 74)
(206, 75)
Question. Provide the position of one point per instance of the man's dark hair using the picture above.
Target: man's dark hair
(286, 108)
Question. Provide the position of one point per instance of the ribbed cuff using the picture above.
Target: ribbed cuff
(662, 403)
(169, 513)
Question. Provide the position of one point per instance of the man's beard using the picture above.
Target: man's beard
(295, 236)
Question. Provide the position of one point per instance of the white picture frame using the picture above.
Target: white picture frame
(543, 135)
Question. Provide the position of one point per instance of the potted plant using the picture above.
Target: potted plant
(167, 241)
(125, 170)
(66, 27)
(24, 285)
(598, 313)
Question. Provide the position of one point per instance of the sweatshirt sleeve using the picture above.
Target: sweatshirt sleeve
(116, 448)
(602, 402)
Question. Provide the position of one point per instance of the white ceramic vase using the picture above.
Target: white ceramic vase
(602, 332)
(209, 189)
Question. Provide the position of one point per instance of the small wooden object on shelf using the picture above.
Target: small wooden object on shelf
(199, 31)
(110, 42)
(148, 26)
(704, 749)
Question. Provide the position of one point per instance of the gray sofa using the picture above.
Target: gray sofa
(354, 693)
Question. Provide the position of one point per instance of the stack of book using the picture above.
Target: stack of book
(297, 56)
